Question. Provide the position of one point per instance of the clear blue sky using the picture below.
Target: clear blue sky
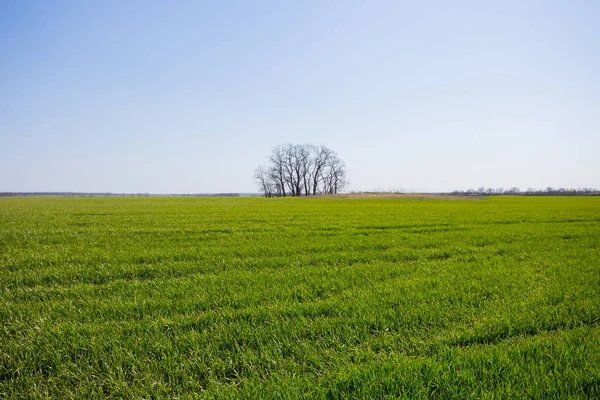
(190, 96)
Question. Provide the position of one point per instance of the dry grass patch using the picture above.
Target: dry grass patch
(411, 196)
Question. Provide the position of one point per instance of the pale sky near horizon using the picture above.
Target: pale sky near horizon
(190, 96)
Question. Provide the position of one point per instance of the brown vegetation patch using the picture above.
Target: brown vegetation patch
(411, 196)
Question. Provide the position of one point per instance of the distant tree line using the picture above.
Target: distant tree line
(301, 170)
(515, 191)
(108, 194)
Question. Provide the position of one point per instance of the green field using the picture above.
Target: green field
(299, 298)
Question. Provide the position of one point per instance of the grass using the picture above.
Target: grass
(299, 298)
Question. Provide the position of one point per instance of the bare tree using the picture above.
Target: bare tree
(305, 161)
(321, 158)
(301, 170)
(262, 177)
(334, 175)
(277, 167)
(292, 169)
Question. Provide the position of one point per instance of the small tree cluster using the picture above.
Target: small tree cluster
(301, 170)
